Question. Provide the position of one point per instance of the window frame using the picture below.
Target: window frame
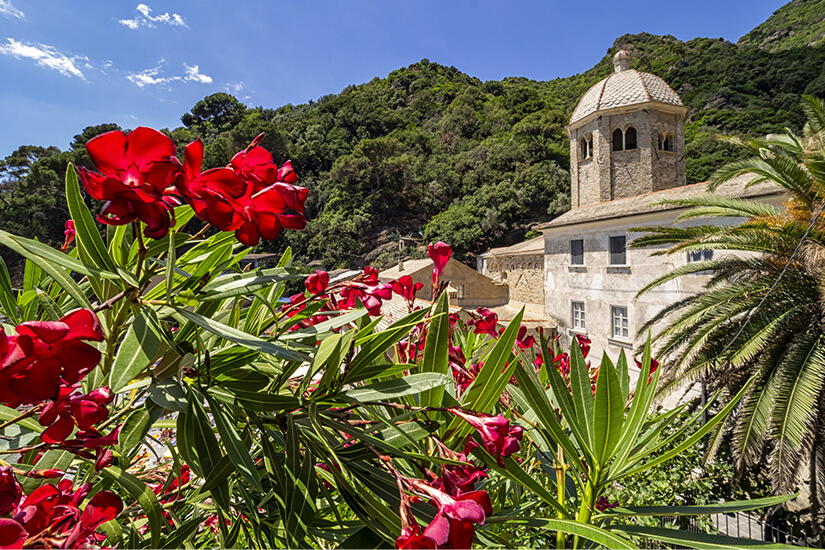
(611, 253)
(581, 325)
(581, 252)
(623, 325)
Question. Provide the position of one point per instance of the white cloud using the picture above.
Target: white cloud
(194, 75)
(154, 77)
(45, 56)
(148, 77)
(146, 19)
(10, 11)
(234, 87)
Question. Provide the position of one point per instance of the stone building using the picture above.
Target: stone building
(469, 289)
(627, 155)
(519, 267)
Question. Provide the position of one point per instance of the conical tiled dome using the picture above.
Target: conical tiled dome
(624, 87)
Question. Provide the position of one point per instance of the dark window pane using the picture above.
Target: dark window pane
(618, 140)
(700, 255)
(617, 251)
(577, 252)
(630, 138)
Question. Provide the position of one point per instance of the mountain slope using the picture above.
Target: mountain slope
(800, 23)
(434, 153)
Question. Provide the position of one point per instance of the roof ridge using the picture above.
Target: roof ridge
(644, 85)
(601, 92)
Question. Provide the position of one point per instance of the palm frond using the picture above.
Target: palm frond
(783, 171)
(801, 374)
(718, 206)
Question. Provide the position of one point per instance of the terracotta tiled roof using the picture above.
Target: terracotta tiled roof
(628, 87)
(650, 202)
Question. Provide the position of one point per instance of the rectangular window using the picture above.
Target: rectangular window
(578, 315)
(700, 256)
(460, 289)
(618, 256)
(620, 322)
(577, 252)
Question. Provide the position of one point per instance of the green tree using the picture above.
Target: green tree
(218, 111)
(762, 315)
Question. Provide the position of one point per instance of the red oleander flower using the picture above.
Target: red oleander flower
(318, 282)
(12, 534)
(46, 354)
(10, 491)
(603, 504)
(253, 197)
(654, 364)
(522, 340)
(68, 411)
(69, 235)
(366, 288)
(405, 287)
(412, 538)
(457, 480)
(51, 515)
(456, 515)
(499, 438)
(584, 344)
(137, 175)
(411, 535)
(487, 322)
(102, 507)
(439, 253)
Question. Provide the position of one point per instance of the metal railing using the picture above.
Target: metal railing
(739, 524)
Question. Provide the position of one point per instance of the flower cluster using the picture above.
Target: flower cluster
(499, 438)
(485, 323)
(45, 355)
(43, 364)
(140, 178)
(84, 411)
(365, 289)
(460, 506)
(50, 517)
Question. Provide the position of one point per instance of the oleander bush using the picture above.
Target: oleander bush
(156, 395)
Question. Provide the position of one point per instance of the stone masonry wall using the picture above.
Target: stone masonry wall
(523, 274)
(609, 175)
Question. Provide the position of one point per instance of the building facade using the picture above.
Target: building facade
(627, 157)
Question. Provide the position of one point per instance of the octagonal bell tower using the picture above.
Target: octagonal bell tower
(627, 137)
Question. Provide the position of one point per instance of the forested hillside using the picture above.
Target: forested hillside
(434, 153)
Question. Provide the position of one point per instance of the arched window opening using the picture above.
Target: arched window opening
(661, 142)
(669, 143)
(630, 138)
(583, 149)
(589, 146)
(618, 140)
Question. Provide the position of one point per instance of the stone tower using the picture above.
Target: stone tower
(627, 137)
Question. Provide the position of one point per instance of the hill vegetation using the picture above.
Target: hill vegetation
(433, 153)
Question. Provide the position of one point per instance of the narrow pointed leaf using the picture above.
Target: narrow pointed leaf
(87, 233)
(608, 412)
(143, 494)
(138, 350)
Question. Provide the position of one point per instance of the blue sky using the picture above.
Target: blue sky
(65, 65)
